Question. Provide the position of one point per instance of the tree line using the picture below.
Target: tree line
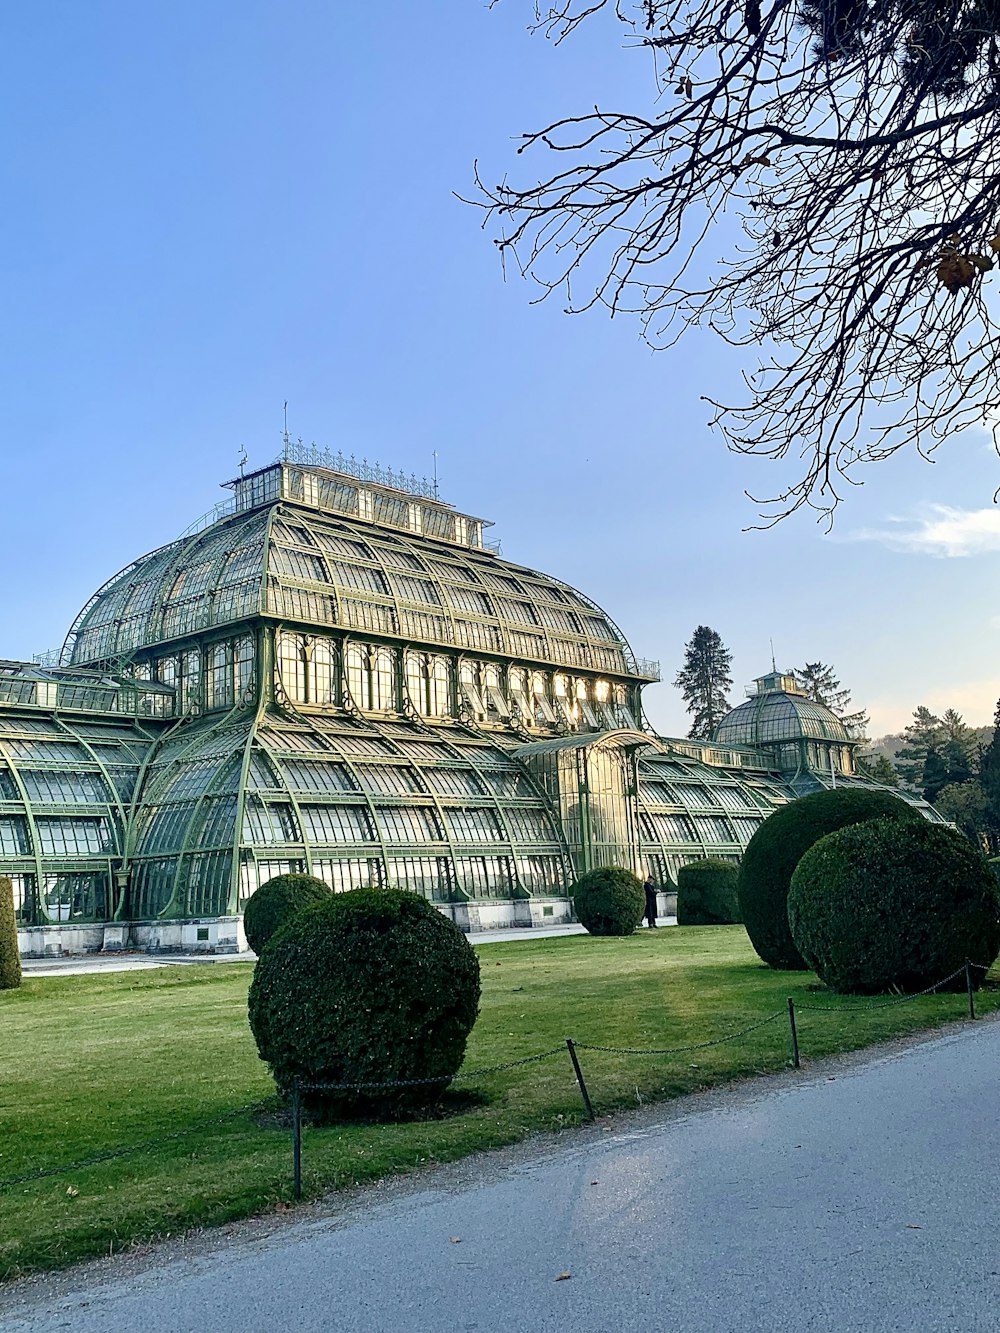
(953, 766)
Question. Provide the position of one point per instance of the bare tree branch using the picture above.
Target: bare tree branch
(822, 186)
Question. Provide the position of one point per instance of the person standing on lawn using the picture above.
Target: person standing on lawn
(649, 888)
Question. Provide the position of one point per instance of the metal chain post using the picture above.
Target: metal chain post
(296, 1139)
(579, 1078)
(795, 1035)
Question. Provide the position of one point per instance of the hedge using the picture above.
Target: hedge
(10, 956)
(370, 986)
(609, 901)
(778, 845)
(892, 905)
(706, 893)
(275, 902)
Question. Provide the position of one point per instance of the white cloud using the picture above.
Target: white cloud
(941, 531)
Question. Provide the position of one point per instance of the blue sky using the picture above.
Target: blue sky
(215, 208)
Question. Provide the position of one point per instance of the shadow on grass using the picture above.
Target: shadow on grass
(275, 1113)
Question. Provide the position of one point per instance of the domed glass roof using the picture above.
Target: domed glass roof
(775, 715)
(304, 564)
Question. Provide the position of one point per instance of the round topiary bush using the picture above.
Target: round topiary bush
(894, 904)
(370, 986)
(10, 956)
(706, 893)
(270, 907)
(609, 901)
(778, 845)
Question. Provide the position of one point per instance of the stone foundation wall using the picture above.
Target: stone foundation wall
(224, 935)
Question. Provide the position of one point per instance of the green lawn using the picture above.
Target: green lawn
(90, 1064)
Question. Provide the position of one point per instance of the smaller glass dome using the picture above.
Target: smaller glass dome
(779, 712)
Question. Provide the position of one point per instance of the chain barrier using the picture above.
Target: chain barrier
(681, 1050)
(113, 1153)
(465, 1075)
(429, 1082)
(884, 1004)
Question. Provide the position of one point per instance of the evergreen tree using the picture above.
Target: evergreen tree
(989, 779)
(964, 804)
(879, 769)
(704, 681)
(953, 759)
(935, 774)
(925, 732)
(819, 682)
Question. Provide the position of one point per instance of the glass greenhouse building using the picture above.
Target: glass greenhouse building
(335, 672)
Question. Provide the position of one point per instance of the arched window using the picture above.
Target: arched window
(189, 683)
(357, 674)
(321, 683)
(439, 688)
(384, 680)
(292, 666)
(416, 681)
(219, 677)
(470, 675)
(371, 677)
(428, 683)
(543, 711)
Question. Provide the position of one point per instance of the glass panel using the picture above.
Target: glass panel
(74, 836)
(408, 824)
(59, 787)
(308, 775)
(336, 823)
(479, 825)
(429, 876)
(75, 897)
(344, 875)
(14, 840)
(269, 822)
(485, 876)
(388, 780)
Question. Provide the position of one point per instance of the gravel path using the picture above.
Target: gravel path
(855, 1196)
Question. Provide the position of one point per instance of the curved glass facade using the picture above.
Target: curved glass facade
(337, 675)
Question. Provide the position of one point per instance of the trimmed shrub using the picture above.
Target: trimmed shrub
(10, 956)
(894, 904)
(609, 901)
(275, 902)
(777, 847)
(370, 986)
(706, 893)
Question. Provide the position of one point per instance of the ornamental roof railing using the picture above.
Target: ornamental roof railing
(310, 455)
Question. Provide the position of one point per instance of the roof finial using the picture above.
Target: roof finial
(284, 433)
(435, 457)
(774, 665)
(243, 458)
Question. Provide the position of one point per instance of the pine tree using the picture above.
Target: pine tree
(925, 732)
(879, 769)
(819, 683)
(10, 958)
(989, 780)
(704, 681)
(965, 804)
